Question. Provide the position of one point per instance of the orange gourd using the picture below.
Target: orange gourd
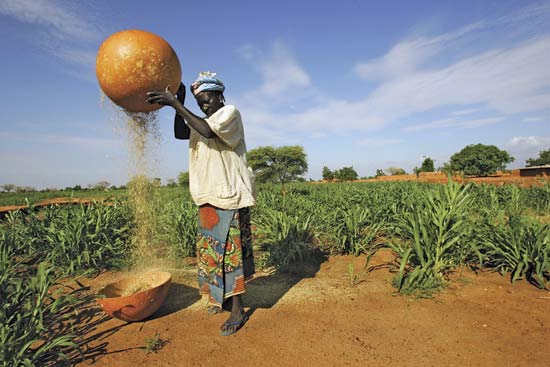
(133, 62)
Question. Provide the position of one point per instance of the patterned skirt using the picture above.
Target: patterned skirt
(224, 251)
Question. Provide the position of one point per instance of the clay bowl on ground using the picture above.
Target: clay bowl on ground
(135, 297)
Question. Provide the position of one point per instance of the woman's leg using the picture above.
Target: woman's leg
(236, 318)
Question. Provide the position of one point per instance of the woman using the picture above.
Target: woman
(222, 185)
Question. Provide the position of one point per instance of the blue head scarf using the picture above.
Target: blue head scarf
(207, 81)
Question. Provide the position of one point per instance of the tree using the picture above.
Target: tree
(102, 185)
(544, 158)
(19, 189)
(394, 171)
(8, 187)
(157, 181)
(171, 182)
(328, 175)
(427, 165)
(278, 165)
(446, 169)
(480, 160)
(379, 172)
(183, 179)
(346, 174)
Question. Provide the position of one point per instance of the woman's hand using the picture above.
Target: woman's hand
(165, 98)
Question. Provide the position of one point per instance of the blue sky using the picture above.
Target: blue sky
(356, 83)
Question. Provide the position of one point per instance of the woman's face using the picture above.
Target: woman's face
(209, 102)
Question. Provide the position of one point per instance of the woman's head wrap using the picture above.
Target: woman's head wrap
(207, 81)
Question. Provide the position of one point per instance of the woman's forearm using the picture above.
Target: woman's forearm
(198, 124)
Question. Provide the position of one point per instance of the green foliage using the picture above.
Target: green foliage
(379, 172)
(394, 171)
(328, 175)
(434, 233)
(33, 197)
(431, 228)
(179, 228)
(286, 238)
(154, 344)
(480, 160)
(278, 165)
(36, 322)
(543, 158)
(446, 169)
(8, 187)
(427, 165)
(74, 239)
(346, 174)
(183, 179)
(353, 277)
(538, 197)
(355, 232)
(521, 247)
(102, 185)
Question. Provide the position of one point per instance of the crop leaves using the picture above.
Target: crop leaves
(433, 236)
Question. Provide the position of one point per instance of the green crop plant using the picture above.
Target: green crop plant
(88, 237)
(286, 238)
(353, 278)
(154, 344)
(179, 228)
(354, 232)
(74, 239)
(432, 233)
(520, 246)
(34, 319)
(538, 197)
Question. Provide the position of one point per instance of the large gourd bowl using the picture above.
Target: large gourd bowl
(135, 297)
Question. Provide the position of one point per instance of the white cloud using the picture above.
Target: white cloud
(497, 83)
(452, 122)
(529, 142)
(284, 82)
(533, 119)
(411, 54)
(465, 112)
(402, 59)
(78, 56)
(60, 28)
(504, 81)
(379, 141)
(279, 70)
(525, 147)
(57, 18)
(407, 56)
(92, 142)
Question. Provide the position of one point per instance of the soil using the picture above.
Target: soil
(318, 318)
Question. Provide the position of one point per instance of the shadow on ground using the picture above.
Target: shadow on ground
(93, 336)
(179, 297)
(265, 291)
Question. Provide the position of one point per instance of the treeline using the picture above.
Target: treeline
(289, 164)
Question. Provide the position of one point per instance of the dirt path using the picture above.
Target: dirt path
(318, 319)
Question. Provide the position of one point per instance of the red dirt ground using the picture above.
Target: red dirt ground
(319, 319)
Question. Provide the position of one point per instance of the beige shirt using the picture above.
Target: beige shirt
(218, 172)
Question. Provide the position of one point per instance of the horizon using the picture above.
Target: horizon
(355, 84)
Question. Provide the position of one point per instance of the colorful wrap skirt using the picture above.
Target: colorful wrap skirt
(224, 252)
